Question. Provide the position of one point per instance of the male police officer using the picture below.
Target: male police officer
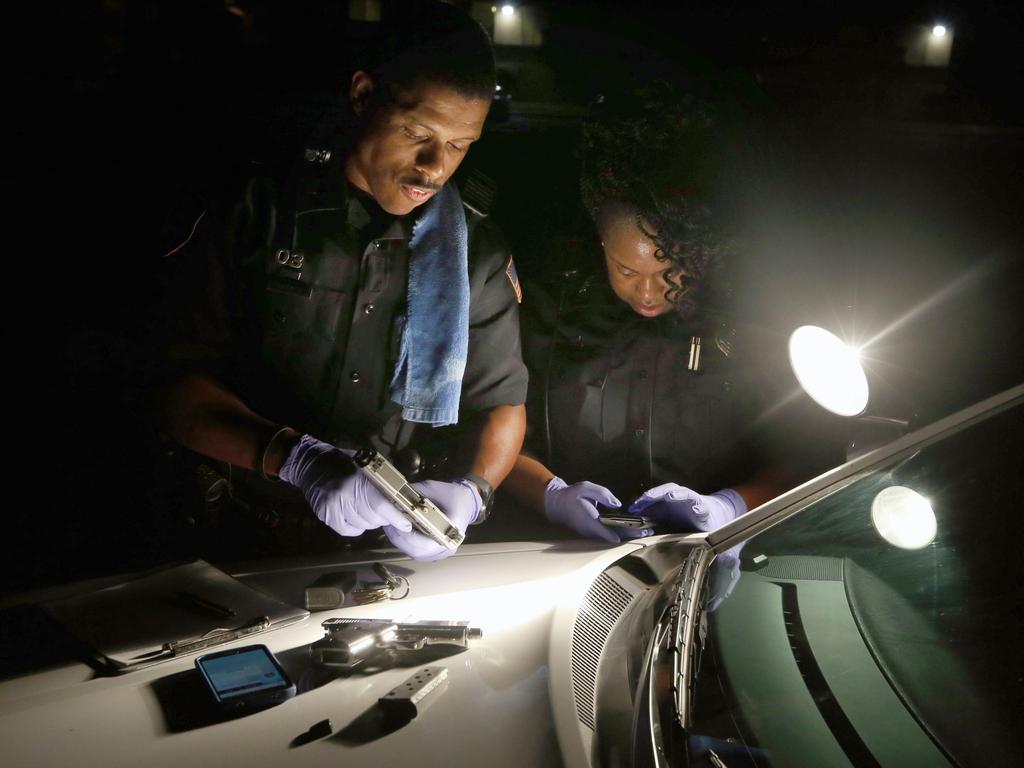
(362, 300)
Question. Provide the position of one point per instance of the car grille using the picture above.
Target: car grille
(601, 608)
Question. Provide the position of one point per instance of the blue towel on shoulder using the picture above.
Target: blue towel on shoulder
(435, 342)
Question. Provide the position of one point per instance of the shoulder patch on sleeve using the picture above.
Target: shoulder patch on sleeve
(513, 277)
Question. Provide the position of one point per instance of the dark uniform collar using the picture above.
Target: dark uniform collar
(322, 186)
(372, 221)
(359, 207)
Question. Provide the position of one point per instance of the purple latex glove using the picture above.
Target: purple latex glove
(340, 496)
(459, 500)
(688, 510)
(576, 506)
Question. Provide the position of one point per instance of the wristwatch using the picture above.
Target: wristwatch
(486, 495)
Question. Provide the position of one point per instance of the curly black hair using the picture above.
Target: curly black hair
(654, 155)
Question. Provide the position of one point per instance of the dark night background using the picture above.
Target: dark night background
(876, 190)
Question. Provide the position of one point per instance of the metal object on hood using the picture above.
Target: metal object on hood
(393, 581)
(216, 637)
(372, 592)
(329, 590)
(353, 643)
(412, 697)
(375, 591)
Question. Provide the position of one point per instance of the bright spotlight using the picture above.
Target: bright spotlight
(904, 518)
(938, 31)
(508, 10)
(828, 370)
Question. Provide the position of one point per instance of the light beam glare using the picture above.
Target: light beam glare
(945, 293)
(766, 416)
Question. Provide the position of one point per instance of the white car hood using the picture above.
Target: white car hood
(508, 702)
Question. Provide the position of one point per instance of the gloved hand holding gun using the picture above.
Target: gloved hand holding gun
(344, 499)
(355, 491)
(441, 529)
(459, 502)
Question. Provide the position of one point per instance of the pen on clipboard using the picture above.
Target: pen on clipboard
(195, 601)
(216, 637)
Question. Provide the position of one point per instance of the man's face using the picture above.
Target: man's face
(636, 274)
(409, 147)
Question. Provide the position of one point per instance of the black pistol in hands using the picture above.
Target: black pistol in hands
(424, 514)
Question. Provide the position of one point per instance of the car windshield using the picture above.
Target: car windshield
(881, 624)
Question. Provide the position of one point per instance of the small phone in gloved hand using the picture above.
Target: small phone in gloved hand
(619, 520)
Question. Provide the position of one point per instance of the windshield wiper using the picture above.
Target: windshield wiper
(690, 630)
(674, 632)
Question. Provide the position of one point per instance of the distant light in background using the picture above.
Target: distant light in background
(512, 24)
(364, 10)
(828, 370)
(928, 46)
(904, 518)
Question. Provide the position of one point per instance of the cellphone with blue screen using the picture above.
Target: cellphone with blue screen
(245, 679)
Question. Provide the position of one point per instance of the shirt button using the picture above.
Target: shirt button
(354, 376)
(639, 433)
(368, 309)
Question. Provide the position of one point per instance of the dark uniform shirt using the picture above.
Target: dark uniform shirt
(632, 402)
(297, 303)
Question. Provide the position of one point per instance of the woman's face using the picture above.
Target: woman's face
(636, 275)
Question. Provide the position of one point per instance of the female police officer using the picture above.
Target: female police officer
(637, 383)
